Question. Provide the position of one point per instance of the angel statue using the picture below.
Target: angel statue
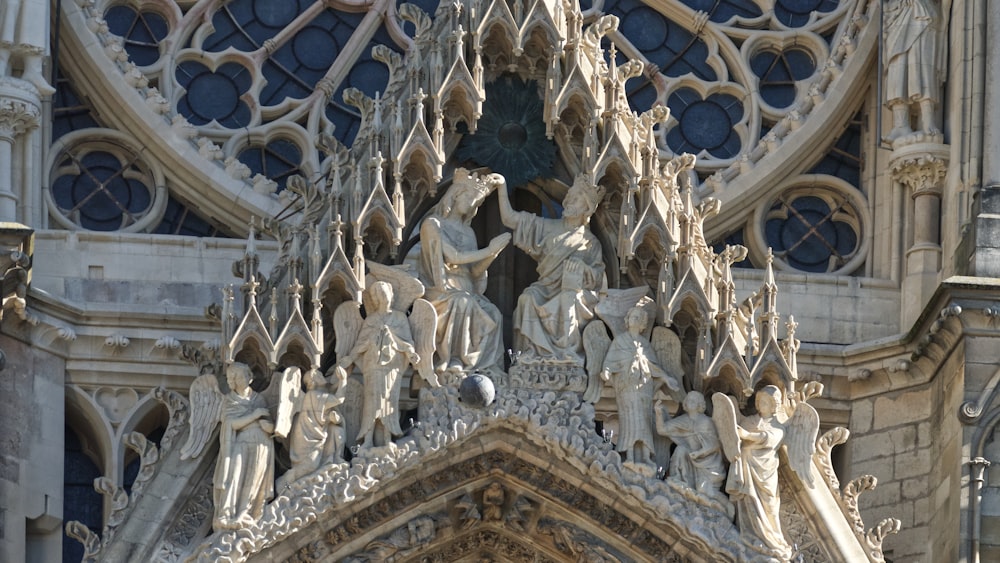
(383, 345)
(552, 311)
(630, 365)
(244, 473)
(751, 445)
(317, 435)
(469, 332)
(697, 461)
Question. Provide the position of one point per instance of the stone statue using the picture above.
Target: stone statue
(317, 435)
(383, 346)
(469, 330)
(912, 64)
(24, 31)
(752, 445)
(697, 460)
(244, 473)
(552, 312)
(630, 366)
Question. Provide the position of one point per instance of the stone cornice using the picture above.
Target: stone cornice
(961, 306)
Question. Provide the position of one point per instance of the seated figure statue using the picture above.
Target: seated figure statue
(469, 331)
(552, 312)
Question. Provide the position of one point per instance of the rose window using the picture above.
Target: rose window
(104, 186)
(261, 81)
(813, 230)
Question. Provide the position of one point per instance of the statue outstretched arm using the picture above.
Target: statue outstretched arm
(430, 232)
(507, 214)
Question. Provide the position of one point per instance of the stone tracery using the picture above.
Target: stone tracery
(617, 153)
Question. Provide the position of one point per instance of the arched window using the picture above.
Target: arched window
(80, 501)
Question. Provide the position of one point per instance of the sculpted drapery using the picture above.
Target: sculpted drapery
(552, 311)
(912, 64)
(753, 475)
(469, 332)
(383, 350)
(244, 474)
(317, 436)
(697, 460)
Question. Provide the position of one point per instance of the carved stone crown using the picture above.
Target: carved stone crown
(476, 182)
(593, 192)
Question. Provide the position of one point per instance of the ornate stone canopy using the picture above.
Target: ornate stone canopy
(360, 406)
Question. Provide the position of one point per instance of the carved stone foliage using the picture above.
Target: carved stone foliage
(552, 422)
(807, 547)
(922, 172)
(477, 480)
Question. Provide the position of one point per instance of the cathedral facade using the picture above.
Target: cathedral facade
(500, 280)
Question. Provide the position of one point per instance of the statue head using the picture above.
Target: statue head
(466, 194)
(694, 403)
(313, 379)
(582, 198)
(767, 401)
(636, 320)
(238, 377)
(381, 297)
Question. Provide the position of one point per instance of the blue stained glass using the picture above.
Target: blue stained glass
(142, 32)
(277, 160)
(69, 112)
(704, 124)
(642, 97)
(102, 197)
(675, 50)
(778, 73)
(214, 95)
(367, 75)
(246, 24)
(80, 501)
(723, 10)
(795, 13)
(295, 68)
(843, 160)
(807, 234)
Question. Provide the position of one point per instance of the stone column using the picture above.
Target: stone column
(19, 114)
(921, 168)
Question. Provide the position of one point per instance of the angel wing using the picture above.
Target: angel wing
(406, 287)
(289, 394)
(801, 430)
(667, 347)
(346, 326)
(595, 343)
(206, 411)
(423, 326)
(724, 417)
(616, 304)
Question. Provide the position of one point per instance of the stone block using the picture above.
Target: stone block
(916, 487)
(921, 511)
(10, 469)
(887, 492)
(871, 446)
(903, 439)
(881, 468)
(914, 406)
(911, 464)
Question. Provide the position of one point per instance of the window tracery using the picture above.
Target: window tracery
(815, 224)
(729, 70)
